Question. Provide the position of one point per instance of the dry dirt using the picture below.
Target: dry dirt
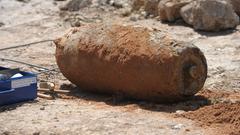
(213, 111)
(222, 113)
(226, 114)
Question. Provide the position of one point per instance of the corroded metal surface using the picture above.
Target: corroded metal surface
(134, 61)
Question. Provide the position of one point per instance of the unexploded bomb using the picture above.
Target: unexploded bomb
(134, 61)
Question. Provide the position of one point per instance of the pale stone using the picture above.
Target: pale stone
(169, 10)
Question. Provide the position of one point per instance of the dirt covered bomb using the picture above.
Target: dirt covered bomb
(137, 62)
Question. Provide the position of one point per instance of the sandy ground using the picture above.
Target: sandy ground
(99, 114)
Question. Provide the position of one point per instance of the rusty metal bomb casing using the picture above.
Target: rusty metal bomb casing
(134, 61)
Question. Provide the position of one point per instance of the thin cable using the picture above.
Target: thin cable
(46, 71)
(24, 45)
(24, 63)
(28, 64)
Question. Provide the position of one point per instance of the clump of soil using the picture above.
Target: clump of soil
(75, 5)
(225, 115)
(1, 24)
(220, 96)
(25, 1)
(214, 94)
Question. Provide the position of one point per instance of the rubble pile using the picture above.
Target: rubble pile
(207, 15)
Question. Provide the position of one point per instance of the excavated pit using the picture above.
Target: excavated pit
(133, 61)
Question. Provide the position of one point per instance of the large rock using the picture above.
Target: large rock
(151, 7)
(138, 4)
(210, 15)
(169, 10)
(119, 3)
(236, 6)
(131, 61)
(186, 13)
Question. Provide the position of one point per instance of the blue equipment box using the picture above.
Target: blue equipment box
(18, 89)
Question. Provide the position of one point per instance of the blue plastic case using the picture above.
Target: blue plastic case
(18, 89)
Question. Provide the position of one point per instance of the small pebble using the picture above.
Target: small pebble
(1, 24)
(126, 12)
(36, 133)
(6, 133)
(25, 1)
(180, 111)
(134, 18)
(178, 126)
(144, 13)
(77, 24)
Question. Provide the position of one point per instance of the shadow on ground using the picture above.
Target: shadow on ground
(14, 106)
(190, 104)
(180, 22)
(214, 34)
